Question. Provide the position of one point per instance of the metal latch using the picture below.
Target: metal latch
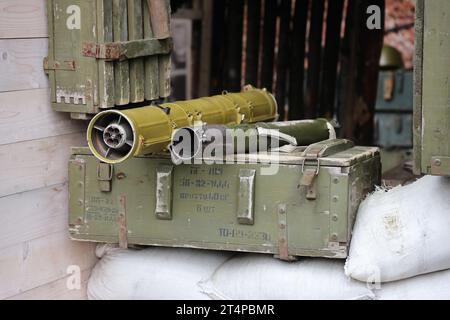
(308, 179)
(313, 153)
(245, 212)
(104, 176)
(164, 179)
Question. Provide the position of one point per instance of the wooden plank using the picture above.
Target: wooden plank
(42, 212)
(23, 19)
(32, 264)
(21, 65)
(204, 87)
(359, 73)
(435, 134)
(283, 56)
(418, 83)
(36, 164)
(27, 115)
(297, 61)
(268, 45)
(252, 49)
(51, 50)
(57, 290)
(136, 32)
(331, 58)
(234, 46)
(121, 68)
(105, 68)
(218, 46)
(151, 63)
(160, 21)
(314, 59)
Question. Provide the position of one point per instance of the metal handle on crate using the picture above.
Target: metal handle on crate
(164, 178)
(246, 197)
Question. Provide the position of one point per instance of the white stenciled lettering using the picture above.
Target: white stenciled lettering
(74, 20)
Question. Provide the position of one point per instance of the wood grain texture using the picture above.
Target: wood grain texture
(23, 19)
(27, 115)
(136, 32)
(151, 63)
(31, 215)
(105, 68)
(36, 164)
(32, 264)
(160, 21)
(122, 68)
(56, 290)
(21, 64)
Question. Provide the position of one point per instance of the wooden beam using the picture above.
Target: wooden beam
(121, 68)
(283, 55)
(206, 48)
(268, 46)
(218, 46)
(360, 57)
(297, 61)
(160, 21)
(314, 59)
(253, 33)
(331, 58)
(136, 32)
(234, 46)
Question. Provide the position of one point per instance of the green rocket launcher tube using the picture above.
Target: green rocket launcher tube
(189, 143)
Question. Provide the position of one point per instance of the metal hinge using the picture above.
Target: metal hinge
(127, 49)
(104, 176)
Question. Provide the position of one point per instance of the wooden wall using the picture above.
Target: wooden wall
(34, 149)
(317, 57)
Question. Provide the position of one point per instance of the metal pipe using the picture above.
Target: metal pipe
(191, 142)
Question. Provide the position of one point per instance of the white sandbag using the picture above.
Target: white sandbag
(402, 233)
(432, 286)
(152, 274)
(260, 277)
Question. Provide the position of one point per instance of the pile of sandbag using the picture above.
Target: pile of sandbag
(400, 250)
(403, 233)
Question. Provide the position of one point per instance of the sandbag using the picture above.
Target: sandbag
(432, 286)
(152, 274)
(402, 233)
(261, 277)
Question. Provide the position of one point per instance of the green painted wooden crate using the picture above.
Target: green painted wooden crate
(432, 88)
(307, 208)
(102, 54)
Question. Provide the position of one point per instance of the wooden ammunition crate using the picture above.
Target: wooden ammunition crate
(107, 53)
(306, 206)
